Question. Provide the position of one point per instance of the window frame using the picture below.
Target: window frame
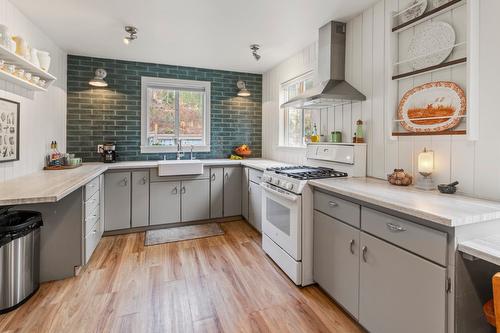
(284, 112)
(175, 84)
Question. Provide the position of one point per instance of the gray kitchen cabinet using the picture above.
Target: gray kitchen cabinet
(216, 192)
(195, 200)
(255, 205)
(232, 191)
(399, 291)
(140, 199)
(336, 260)
(245, 193)
(117, 200)
(165, 202)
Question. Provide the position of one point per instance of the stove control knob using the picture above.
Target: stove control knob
(289, 186)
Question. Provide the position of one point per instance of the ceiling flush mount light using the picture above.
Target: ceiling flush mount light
(98, 80)
(132, 34)
(425, 168)
(255, 49)
(243, 91)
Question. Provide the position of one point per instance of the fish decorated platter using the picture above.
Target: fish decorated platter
(432, 107)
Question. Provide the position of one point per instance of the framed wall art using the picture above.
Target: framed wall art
(9, 130)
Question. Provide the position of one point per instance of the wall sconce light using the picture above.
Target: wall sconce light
(98, 80)
(243, 91)
(425, 168)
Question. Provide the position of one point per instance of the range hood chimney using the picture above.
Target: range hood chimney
(333, 89)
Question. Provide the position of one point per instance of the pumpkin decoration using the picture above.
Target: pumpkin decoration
(400, 178)
(243, 151)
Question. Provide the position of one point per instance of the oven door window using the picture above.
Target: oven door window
(278, 215)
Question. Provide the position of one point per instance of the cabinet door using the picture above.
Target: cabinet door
(195, 200)
(140, 198)
(117, 200)
(232, 191)
(216, 192)
(245, 205)
(165, 203)
(399, 292)
(336, 260)
(255, 206)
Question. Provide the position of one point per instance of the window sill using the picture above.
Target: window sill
(173, 149)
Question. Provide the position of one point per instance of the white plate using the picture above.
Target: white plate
(431, 45)
(414, 10)
(428, 101)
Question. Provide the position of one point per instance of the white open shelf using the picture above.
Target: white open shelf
(12, 58)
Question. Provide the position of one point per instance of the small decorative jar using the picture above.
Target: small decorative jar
(336, 136)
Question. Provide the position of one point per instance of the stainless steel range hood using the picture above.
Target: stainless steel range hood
(333, 89)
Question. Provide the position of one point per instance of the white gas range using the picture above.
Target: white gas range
(287, 204)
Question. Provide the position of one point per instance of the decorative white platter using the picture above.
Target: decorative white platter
(415, 9)
(432, 107)
(431, 45)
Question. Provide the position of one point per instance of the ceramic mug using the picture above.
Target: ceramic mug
(35, 79)
(27, 76)
(44, 59)
(20, 73)
(11, 68)
(42, 83)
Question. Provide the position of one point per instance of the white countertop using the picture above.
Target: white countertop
(51, 186)
(47, 186)
(487, 248)
(450, 210)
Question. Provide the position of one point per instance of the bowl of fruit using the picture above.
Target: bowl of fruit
(242, 151)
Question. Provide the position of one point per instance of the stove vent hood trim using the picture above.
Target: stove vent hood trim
(333, 89)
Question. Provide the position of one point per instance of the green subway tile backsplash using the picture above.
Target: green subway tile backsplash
(97, 115)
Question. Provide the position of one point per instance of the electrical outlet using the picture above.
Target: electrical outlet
(100, 149)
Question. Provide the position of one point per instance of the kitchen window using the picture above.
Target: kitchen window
(297, 124)
(173, 110)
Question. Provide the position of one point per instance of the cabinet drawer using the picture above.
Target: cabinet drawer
(91, 219)
(92, 203)
(91, 188)
(91, 240)
(426, 242)
(340, 209)
(255, 175)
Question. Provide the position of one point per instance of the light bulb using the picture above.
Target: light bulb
(126, 40)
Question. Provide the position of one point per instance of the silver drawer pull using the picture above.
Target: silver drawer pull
(395, 228)
(144, 180)
(125, 181)
(332, 204)
(213, 177)
(351, 246)
(174, 191)
(183, 190)
(364, 250)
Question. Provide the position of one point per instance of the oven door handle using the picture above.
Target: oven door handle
(287, 196)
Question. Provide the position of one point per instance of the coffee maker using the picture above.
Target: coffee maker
(108, 152)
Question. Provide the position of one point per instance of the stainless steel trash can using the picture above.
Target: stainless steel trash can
(19, 257)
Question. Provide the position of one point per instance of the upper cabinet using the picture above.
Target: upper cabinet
(432, 70)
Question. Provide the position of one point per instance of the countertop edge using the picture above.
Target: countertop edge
(405, 210)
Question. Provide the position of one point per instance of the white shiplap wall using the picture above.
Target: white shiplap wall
(43, 114)
(474, 163)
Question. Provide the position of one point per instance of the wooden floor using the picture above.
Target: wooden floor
(217, 284)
